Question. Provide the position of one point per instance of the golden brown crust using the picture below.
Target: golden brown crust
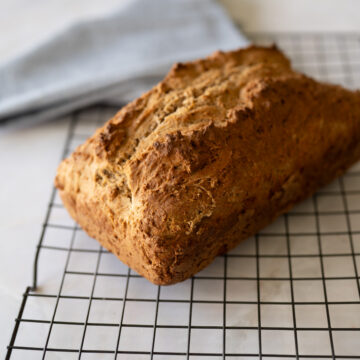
(208, 157)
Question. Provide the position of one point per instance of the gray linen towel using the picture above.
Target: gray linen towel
(113, 58)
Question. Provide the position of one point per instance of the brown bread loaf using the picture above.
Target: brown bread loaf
(208, 157)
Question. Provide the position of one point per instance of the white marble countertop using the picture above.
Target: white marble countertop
(29, 157)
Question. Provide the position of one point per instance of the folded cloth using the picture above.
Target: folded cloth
(112, 58)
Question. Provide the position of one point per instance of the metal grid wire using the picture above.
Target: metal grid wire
(292, 291)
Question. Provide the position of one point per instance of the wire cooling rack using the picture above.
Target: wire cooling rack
(292, 291)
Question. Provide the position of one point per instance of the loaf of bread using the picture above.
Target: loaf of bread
(212, 154)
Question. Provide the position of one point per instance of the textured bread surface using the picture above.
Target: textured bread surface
(212, 154)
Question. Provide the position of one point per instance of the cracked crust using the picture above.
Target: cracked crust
(208, 157)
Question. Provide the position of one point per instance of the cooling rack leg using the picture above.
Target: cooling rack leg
(17, 323)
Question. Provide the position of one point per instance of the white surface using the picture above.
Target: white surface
(28, 161)
(294, 15)
(28, 158)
